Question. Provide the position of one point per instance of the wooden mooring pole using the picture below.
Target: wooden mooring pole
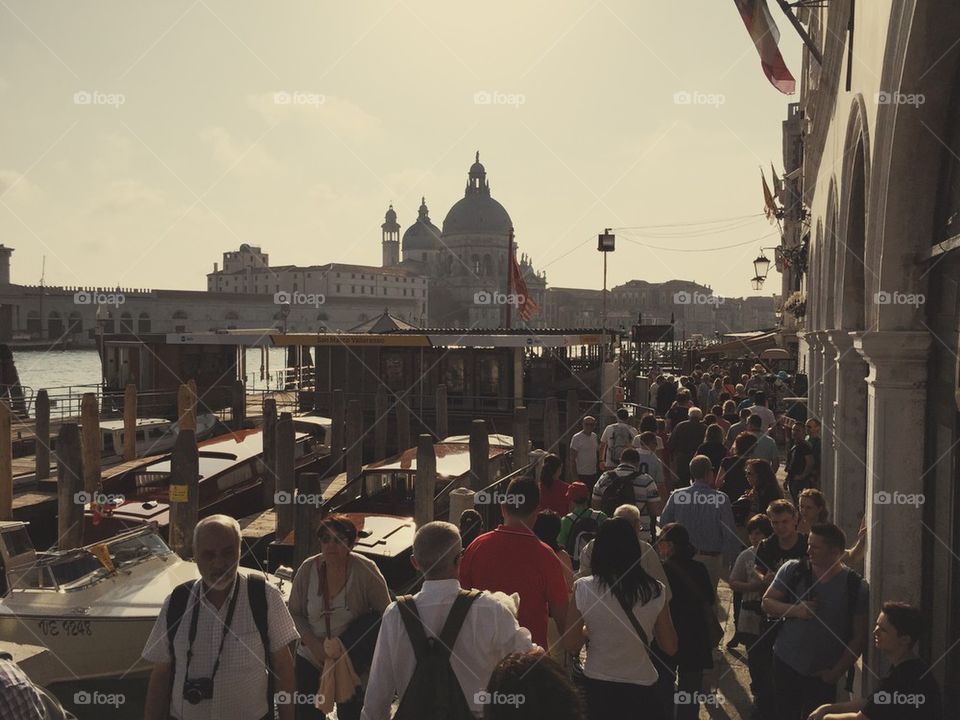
(90, 430)
(184, 493)
(337, 422)
(354, 440)
(286, 476)
(70, 495)
(42, 454)
(130, 422)
(6, 462)
(269, 474)
(425, 483)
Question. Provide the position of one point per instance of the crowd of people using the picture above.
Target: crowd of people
(594, 599)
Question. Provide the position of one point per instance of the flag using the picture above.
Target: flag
(777, 185)
(526, 307)
(766, 37)
(769, 206)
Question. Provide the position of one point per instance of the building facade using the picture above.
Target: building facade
(881, 183)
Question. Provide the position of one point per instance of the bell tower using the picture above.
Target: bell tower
(390, 239)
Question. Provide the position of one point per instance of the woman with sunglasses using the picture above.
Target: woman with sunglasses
(336, 594)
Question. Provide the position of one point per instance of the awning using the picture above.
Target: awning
(743, 344)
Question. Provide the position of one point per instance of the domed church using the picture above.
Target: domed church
(467, 261)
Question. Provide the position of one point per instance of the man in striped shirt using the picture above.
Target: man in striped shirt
(645, 495)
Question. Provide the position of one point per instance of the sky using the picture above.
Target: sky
(141, 140)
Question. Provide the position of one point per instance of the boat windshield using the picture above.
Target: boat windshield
(75, 568)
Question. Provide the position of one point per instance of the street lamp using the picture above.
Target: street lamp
(605, 244)
(761, 265)
(757, 283)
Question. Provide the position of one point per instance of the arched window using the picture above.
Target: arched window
(126, 323)
(108, 324)
(143, 323)
(54, 325)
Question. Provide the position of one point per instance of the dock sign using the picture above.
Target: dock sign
(178, 493)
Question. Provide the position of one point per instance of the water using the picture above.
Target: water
(77, 368)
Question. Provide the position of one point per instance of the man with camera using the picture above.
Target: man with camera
(211, 659)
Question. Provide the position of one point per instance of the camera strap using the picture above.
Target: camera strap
(226, 628)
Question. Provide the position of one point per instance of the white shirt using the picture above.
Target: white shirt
(490, 632)
(615, 652)
(766, 414)
(749, 621)
(649, 462)
(586, 447)
(240, 687)
(649, 561)
(608, 437)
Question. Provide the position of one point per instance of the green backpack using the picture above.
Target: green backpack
(434, 691)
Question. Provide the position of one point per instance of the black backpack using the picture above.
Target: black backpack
(583, 529)
(257, 597)
(619, 491)
(434, 691)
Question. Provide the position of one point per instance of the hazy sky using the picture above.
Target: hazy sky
(141, 140)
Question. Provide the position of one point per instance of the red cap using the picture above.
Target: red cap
(577, 492)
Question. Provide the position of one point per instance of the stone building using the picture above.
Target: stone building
(881, 183)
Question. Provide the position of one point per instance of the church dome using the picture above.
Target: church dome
(423, 234)
(477, 212)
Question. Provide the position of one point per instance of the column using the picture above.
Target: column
(814, 347)
(828, 395)
(850, 434)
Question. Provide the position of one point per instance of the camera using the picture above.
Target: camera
(198, 690)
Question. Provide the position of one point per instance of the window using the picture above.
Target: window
(353, 289)
(338, 288)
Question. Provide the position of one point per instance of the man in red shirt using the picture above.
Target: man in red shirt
(512, 560)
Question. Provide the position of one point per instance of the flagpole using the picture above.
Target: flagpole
(508, 323)
(801, 31)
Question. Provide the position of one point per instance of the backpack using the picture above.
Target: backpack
(434, 691)
(256, 596)
(622, 439)
(583, 529)
(619, 491)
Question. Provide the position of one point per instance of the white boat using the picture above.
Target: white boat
(154, 435)
(95, 619)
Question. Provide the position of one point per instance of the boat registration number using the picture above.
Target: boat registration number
(70, 628)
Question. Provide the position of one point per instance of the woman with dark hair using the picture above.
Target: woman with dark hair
(553, 490)
(619, 674)
(732, 478)
(547, 528)
(546, 691)
(763, 486)
(712, 445)
(471, 526)
(336, 601)
(692, 606)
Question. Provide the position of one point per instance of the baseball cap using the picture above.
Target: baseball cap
(577, 492)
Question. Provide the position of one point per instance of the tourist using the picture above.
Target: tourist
(799, 464)
(648, 423)
(813, 440)
(760, 408)
(437, 553)
(763, 487)
(585, 452)
(818, 641)
(715, 391)
(533, 570)
(707, 516)
(547, 528)
(628, 483)
(812, 509)
(553, 489)
(679, 410)
(19, 698)
(740, 426)
(338, 597)
(685, 438)
(620, 676)
(713, 446)
(616, 438)
(212, 661)
(691, 607)
(717, 412)
(732, 476)
(666, 394)
(703, 391)
(652, 392)
(580, 525)
(908, 691)
(732, 416)
(747, 587)
(471, 526)
(646, 446)
(766, 447)
(749, 400)
(531, 687)
(729, 386)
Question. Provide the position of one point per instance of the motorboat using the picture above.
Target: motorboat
(153, 435)
(93, 607)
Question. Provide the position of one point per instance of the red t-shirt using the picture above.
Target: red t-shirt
(555, 498)
(513, 560)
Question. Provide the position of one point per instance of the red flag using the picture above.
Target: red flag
(526, 307)
(766, 37)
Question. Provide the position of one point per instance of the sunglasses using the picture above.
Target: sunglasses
(328, 538)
